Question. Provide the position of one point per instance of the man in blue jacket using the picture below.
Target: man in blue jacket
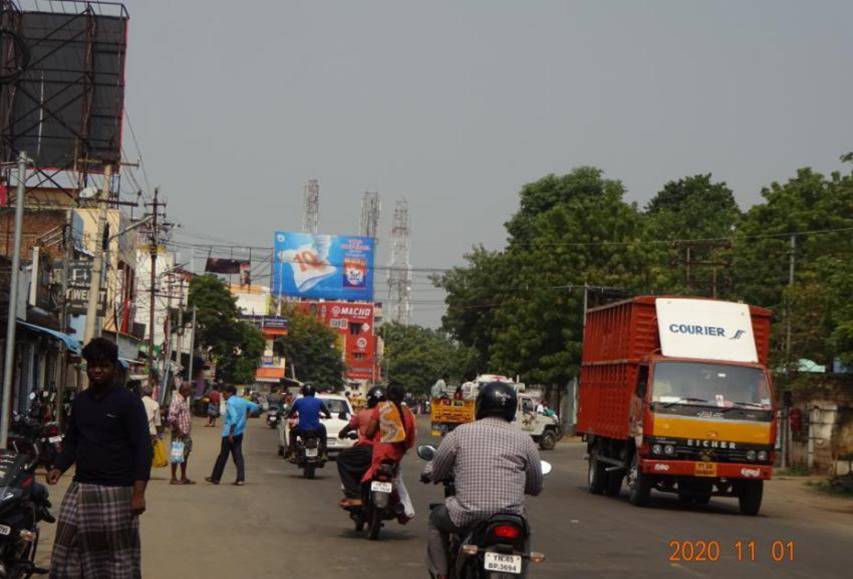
(236, 412)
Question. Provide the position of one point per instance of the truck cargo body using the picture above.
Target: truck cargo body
(697, 423)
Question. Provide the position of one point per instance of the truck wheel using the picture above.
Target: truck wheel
(749, 497)
(548, 440)
(596, 475)
(639, 483)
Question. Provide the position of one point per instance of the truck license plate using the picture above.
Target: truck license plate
(311, 452)
(381, 487)
(705, 469)
(5, 530)
(502, 563)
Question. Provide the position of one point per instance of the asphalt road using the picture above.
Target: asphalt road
(282, 525)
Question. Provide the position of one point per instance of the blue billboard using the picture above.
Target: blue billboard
(329, 267)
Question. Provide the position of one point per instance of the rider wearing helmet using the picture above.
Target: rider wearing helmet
(309, 408)
(493, 464)
(354, 462)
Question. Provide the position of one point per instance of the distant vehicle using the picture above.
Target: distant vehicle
(341, 412)
(675, 396)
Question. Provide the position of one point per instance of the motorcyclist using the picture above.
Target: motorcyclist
(354, 462)
(309, 408)
(493, 465)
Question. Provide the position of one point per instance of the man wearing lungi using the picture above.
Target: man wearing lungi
(97, 534)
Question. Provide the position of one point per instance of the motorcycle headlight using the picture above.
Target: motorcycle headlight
(669, 450)
(750, 455)
(656, 449)
(762, 455)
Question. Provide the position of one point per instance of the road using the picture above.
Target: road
(282, 525)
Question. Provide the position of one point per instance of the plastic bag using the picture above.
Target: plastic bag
(176, 455)
(160, 458)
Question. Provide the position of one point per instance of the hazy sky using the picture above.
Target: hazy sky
(456, 104)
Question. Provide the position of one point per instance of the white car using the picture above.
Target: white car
(341, 412)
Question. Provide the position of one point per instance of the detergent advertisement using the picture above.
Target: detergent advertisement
(329, 267)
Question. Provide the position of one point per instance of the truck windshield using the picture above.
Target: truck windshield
(712, 384)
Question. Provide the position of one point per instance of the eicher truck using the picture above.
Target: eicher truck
(675, 396)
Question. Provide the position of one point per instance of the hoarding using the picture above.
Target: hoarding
(328, 267)
(356, 334)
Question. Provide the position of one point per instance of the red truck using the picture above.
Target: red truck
(675, 396)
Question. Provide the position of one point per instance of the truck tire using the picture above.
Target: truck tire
(639, 483)
(749, 497)
(596, 475)
(548, 440)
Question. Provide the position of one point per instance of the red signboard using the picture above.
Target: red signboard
(354, 323)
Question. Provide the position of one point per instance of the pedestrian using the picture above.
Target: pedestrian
(234, 425)
(152, 411)
(182, 424)
(214, 398)
(108, 439)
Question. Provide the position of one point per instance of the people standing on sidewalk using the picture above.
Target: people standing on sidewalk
(214, 398)
(181, 423)
(236, 412)
(108, 439)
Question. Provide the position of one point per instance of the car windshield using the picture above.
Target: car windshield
(336, 406)
(713, 384)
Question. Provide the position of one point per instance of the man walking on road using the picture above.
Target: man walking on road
(97, 534)
(181, 423)
(236, 412)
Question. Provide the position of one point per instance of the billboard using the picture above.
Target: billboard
(356, 334)
(328, 267)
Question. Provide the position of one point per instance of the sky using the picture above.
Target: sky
(454, 105)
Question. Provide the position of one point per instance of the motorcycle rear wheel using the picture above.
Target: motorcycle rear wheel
(308, 470)
(375, 524)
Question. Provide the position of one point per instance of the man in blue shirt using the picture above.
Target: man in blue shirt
(309, 408)
(236, 412)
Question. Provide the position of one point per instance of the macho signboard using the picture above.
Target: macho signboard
(329, 267)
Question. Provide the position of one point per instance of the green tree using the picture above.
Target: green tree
(235, 346)
(311, 349)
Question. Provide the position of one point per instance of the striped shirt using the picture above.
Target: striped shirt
(493, 464)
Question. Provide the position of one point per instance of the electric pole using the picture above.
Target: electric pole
(153, 248)
(92, 327)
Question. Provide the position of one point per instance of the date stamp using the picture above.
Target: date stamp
(702, 551)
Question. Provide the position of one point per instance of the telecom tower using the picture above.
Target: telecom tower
(400, 270)
(370, 208)
(311, 209)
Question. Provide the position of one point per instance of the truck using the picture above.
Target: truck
(675, 396)
(447, 413)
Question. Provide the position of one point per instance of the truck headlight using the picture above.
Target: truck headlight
(669, 450)
(656, 449)
(762, 455)
(750, 455)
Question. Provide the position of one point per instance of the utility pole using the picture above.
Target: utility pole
(786, 427)
(68, 239)
(153, 247)
(12, 322)
(92, 328)
(192, 346)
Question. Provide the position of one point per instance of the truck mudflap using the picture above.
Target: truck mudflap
(730, 470)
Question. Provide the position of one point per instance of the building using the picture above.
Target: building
(253, 301)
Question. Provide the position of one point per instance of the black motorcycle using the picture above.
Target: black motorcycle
(24, 503)
(33, 434)
(380, 501)
(307, 455)
(498, 548)
(273, 417)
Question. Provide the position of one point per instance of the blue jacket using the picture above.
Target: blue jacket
(236, 413)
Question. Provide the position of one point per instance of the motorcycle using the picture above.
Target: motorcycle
(32, 431)
(273, 417)
(24, 503)
(307, 455)
(497, 548)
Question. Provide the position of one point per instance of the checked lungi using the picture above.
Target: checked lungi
(97, 534)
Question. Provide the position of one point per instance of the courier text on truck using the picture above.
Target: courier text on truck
(675, 396)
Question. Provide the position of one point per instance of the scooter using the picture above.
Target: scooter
(498, 548)
(380, 501)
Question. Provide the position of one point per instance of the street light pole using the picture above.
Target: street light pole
(13, 302)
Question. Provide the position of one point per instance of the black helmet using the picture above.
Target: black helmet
(497, 399)
(375, 395)
(308, 390)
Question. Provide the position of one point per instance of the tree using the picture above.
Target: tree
(418, 356)
(311, 349)
(235, 346)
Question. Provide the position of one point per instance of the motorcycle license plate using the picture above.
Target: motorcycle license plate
(380, 487)
(54, 439)
(501, 563)
(311, 452)
(705, 469)
(5, 530)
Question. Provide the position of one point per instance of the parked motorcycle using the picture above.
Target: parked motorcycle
(307, 455)
(24, 503)
(498, 548)
(32, 430)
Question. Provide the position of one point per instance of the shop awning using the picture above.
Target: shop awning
(70, 342)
